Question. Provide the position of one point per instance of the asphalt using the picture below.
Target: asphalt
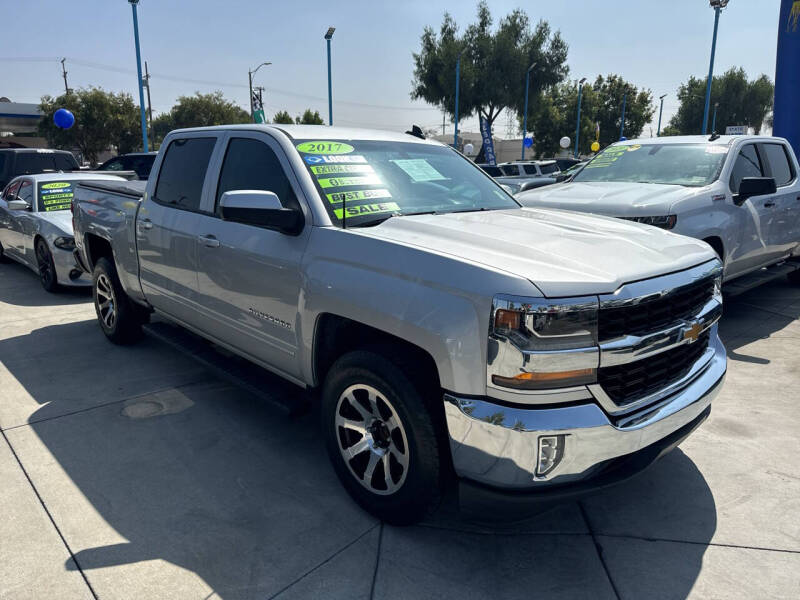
(137, 473)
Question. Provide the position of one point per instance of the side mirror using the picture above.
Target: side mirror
(750, 187)
(262, 209)
(18, 205)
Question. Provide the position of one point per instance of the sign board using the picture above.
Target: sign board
(488, 145)
(736, 130)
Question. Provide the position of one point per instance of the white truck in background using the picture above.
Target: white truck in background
(741, 194)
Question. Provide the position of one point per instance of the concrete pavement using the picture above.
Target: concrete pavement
(134, 473)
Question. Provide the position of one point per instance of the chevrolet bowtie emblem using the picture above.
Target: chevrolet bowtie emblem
(692, 332)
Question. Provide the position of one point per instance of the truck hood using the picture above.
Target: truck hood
(562, 253)
(609, 198)
(61, 219)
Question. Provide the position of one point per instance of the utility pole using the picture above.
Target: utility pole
(133, 4)
(149, 106)
(442, 121)
(64, 71)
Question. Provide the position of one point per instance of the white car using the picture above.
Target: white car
(530, 168)
(36, 226)
(741, 194)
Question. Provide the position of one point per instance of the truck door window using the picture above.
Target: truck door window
(530, 169)
(747, 164)
(252, 165)
(180, 179)
(26, 192)
(775, 155)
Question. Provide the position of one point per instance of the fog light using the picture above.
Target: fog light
(551, 451)
(74, 274)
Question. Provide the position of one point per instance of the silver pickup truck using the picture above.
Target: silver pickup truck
(534, 353)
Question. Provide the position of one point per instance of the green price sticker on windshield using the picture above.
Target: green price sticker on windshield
(324, 147)
(367, 209)
(54, 186)
(334, 182)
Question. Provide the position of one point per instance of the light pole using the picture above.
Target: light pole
(250, 74)
(622, 121)
(714, 119)
(717, 5)
(133, 4)
(660, 112)
(578, 126)
(458, 85)
(525, 114)
(328, 36)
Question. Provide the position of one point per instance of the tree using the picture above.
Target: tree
(102, 119)
(741, 102)
(200, 110)
(555, 113)
(283, 117)
(493, 63)
(310, 118)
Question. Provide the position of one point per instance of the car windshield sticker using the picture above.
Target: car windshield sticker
(334, 182)
(366, 209)
(333, 169)
(358, 195)
(419, 169)
(344, 158)
(634, 148)
(608, 156)
(55, 196)
(324, 148)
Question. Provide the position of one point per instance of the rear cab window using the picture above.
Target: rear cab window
(779, 164)
(183, 171)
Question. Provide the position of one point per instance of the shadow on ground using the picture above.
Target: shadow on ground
(20, 286)
(207, 478)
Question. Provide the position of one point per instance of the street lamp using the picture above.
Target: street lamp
(133, 4)
(250, 74)
(717, 5)
(525, 114)
(660, 112)
(328, 36)
(458, 84)
(578, 126)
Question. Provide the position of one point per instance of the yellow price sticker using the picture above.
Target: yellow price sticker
(333, 169)
(334, 182)
(324, 147)
(366, 209)
(358, 195)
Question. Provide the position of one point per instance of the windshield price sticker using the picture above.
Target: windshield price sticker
(358, 195)
(335, 182)
(344, 158)
(419, 169)
(324, 148)
(608, 156)
(366, 209)
(58, 185)
(634, 148)
(333, 169)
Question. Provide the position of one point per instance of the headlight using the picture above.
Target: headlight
(64, 242)
(537, 344)
(663, 221)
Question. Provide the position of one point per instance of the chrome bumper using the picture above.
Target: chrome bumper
(497, 445)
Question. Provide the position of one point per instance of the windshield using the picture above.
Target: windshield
(55, 195)
(367, 181)
(693, 165)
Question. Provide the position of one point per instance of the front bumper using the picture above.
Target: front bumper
(496, 445)
(68, 270)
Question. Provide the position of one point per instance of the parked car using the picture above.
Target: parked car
(568, 174)
(29, 161)
(36, 226)
(491, 170)
(140, 162)
(538, 353)
(529, 168)
(566, 162)
(738, 193)
(521, 184)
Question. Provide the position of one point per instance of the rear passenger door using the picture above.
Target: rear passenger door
(249, 277)
(786, 220)
(168, 225)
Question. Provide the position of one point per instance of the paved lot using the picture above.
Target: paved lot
(133, 473)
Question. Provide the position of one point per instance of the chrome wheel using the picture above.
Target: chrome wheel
(106, 304)
(372, 439)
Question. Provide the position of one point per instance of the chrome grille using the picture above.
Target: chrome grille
(653, 314)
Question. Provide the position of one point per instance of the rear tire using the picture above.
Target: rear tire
(47, 268)
(373, 419)
(118, 316)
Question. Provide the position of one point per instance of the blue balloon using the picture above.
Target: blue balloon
(63, 118)
(528, 142)
(623, 139)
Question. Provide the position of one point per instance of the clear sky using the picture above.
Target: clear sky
(204, 45)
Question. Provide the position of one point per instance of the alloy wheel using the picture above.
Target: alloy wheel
(372, 439)
(106, 304)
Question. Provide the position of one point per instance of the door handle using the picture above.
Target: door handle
(146, 224)
(769, 204)
(209, 241)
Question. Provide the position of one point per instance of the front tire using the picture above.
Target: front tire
(118, 317)
(47, 268)
(381, 438)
